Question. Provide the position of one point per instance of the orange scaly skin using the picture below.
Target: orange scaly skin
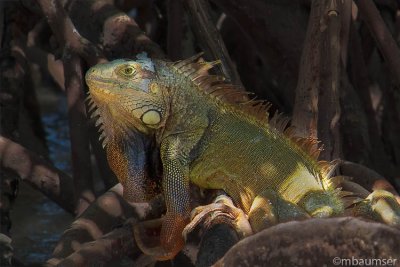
(210, 135)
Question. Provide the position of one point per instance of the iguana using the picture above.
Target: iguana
(211, 135)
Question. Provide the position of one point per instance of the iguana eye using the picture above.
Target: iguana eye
(129, 71)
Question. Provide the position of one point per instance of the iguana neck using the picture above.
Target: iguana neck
(179, 116)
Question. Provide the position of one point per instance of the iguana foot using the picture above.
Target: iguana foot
(222, 206)
(380, 205)
(160, 239)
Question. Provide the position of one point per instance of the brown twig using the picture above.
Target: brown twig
(37, 172)
(208, 35)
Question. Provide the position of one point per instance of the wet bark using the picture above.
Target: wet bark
(327, 241)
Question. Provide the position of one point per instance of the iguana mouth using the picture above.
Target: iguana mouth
(97, 82)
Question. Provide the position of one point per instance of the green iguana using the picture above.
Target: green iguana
(209, 134)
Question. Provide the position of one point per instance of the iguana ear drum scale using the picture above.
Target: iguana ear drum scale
(151, 117)
(211, 135)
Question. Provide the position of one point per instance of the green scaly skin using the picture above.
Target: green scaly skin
(207, 135)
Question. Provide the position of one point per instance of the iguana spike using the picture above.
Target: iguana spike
(279, 121)
(195, 66)
(103, 138)
(324, 166)
(192, 69)
(309, 145)
(200, 68)
(337, 180)
(350, 201)
(95, 113)
(92, 106)
(289, 132)
(315, 154)
(90, 103)
(210, 80)
(181, 63)
(102, 135)
(104, 143)
(89, 98)
(332, 168)
(343, 194)
(98, 122)
(197, 71)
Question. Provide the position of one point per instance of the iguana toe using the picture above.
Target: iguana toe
(222, 206)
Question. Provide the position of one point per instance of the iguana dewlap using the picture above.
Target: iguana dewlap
(211, 135)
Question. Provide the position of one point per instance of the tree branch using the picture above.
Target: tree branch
(383, 38)
(362, 83)
(315, 242)
(208, 35)
(66, 33)
(175, 29)
(37, 172)
(101, 217)
(316, 110)
(117, 244)
(80, 156)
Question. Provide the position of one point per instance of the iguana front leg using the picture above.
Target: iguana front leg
(177, 196)
(177, 199)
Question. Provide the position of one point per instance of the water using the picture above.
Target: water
(37, 225)
(57, 136)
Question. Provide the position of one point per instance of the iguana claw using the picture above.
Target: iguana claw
(222, 206)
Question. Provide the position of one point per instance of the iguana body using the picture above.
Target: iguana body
(210, 135)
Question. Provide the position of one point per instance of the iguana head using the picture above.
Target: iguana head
(126, 95)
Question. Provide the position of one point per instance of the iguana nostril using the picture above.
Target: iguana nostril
(89, 73)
